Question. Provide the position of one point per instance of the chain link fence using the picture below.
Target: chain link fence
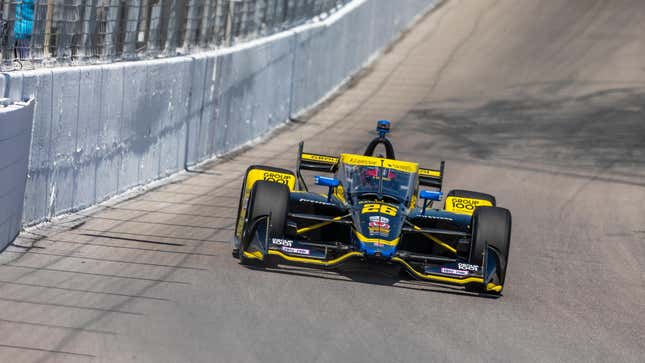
(42, 33)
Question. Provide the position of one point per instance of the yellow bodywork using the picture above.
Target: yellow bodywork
(465, 205)
(319, 158)
(404, 166)
(430, 172)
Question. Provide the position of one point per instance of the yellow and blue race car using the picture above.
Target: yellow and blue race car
(373, 211)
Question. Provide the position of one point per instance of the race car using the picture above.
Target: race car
(373, 212)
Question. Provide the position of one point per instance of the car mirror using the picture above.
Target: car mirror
(428, 197)
(326, 182)
(431, 195)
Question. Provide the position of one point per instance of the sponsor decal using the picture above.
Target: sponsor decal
(379, 232)
(299, 251)
(275, 177)
(429, 172)
(362, 160)
(379, 225)
(323, 158)
(434, 217)
(379, 219)
(303, 200)
(464, 205)
(467, 267)
(450, 271)
(282, 242)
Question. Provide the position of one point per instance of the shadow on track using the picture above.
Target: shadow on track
(599, 130)
(393, 277)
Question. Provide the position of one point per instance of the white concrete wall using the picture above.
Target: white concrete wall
(15, 137)
(100, 130)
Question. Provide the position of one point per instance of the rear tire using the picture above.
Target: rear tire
(491, 226)
(266, 198)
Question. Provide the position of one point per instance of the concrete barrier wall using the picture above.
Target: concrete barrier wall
(15, 137)
(101, 130)
(238, 95)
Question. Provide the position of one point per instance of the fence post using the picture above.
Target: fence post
(193, 18)
(48, 28)
(131, 29)
(206, 31)
(291, 12)
(223, 22)
(66, 13)
(231, 22)
(245, 19)
(38, 35)
(154, 36)
(262, 19)
(88, 28)
(170, 47)
(9, 46)
(109, 40)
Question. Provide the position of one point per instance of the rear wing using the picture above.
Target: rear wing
(431, 177)
(313, 162)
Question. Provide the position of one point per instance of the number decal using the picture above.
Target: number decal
(379, 208)
(386, 209)
(371, 208)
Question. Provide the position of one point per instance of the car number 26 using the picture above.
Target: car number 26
(378, 208)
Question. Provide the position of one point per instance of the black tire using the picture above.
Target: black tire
(470, 194)
(267, 198)
(492, 226)
(236, 250)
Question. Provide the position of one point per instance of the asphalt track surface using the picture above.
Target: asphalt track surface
(541, 103)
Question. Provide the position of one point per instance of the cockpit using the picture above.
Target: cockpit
(365, 177)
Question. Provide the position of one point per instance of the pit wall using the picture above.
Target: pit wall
(101, 130)
(15, 137)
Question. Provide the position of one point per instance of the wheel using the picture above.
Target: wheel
(267, 198)
(470, 194)
(492, 226)
(270, 198)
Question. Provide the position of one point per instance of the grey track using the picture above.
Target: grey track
(541, 103)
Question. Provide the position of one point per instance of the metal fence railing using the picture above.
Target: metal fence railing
(40, 33)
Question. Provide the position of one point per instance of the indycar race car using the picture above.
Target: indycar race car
(370, 214)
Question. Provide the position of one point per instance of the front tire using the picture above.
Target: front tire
(267, 198)
(491, 226)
